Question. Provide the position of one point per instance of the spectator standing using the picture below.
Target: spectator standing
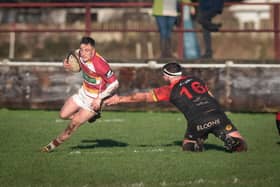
(207, 11)
(191, 44)
(165, 12)
(207, 40)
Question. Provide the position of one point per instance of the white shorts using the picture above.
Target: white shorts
(82, 100)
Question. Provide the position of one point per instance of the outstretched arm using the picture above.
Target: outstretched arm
(133, 98)
(96, 104)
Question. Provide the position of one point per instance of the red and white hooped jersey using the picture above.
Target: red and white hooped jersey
(96, 75)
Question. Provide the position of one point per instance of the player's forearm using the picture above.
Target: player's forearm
(137, 97)
(109, 90)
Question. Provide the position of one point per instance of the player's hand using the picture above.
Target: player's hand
(66, 65)
(96, 104)
(112, 100)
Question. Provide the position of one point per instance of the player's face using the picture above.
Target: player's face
(86, 51)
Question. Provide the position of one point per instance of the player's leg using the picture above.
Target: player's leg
(74, 103)
(77, 120)
(95, 117)
(66, 112)
(241, 144)
(193, 145)
(278, 122)
(228, 133)
(68, 109)
(193, 140)
(233, 141)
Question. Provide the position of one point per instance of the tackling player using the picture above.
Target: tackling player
(202, 111)
(99, 82)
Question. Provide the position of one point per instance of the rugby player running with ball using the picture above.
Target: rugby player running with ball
(99, 82)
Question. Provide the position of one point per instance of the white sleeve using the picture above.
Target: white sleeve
(109, 90)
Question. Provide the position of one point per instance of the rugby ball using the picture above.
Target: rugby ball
(74, 62)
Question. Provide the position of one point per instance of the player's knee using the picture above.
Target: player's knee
(63, 115)
(192, 146)
(234, 144)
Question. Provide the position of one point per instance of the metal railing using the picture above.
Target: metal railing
(88, 29)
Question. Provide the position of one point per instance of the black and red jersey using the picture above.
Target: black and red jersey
(190, 95)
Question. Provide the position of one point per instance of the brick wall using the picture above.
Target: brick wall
(43, 87)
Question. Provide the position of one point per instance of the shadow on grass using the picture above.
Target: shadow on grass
(207, 146)
(103, 143)
(214, 147)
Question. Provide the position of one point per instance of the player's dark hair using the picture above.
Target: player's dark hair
(88, 40)
(172, 69)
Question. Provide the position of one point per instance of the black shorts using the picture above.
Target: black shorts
(215, 124)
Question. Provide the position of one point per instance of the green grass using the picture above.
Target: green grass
(129, 149)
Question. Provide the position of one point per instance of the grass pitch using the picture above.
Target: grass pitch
(132, 149)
